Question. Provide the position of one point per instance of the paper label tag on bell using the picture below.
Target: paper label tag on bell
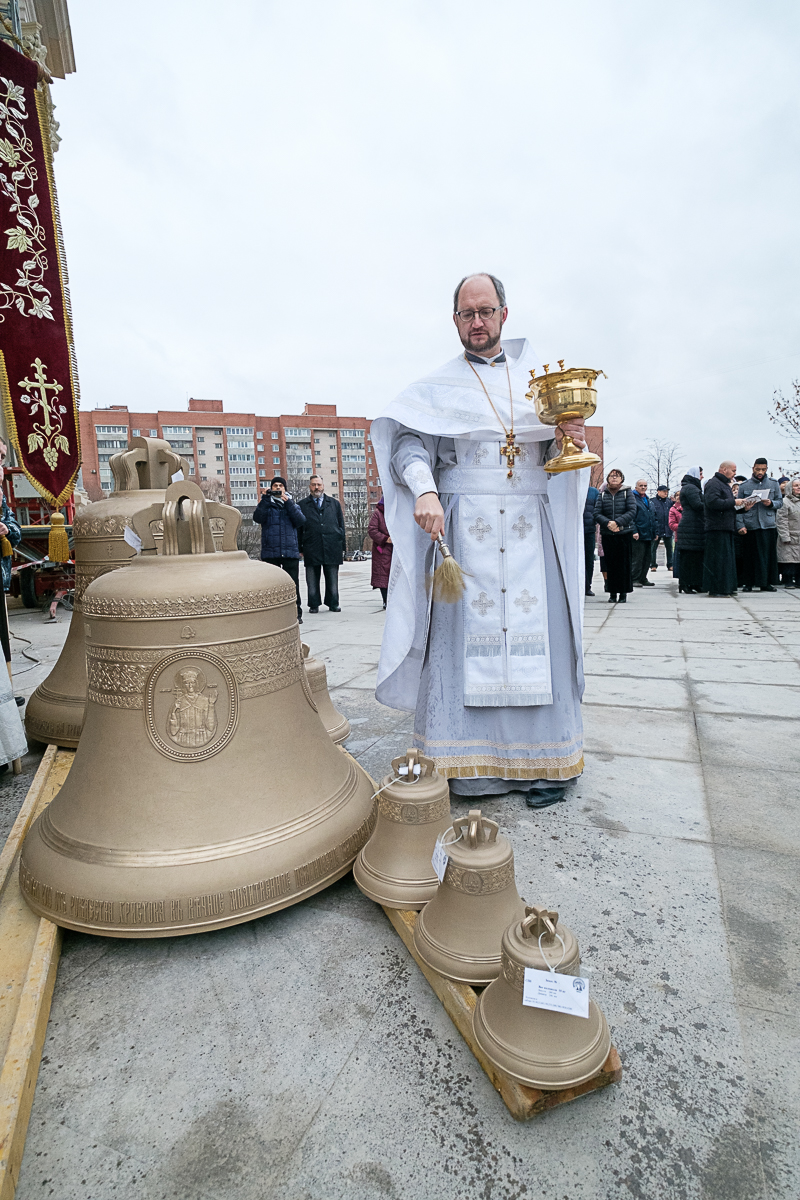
(439, 860)
(177, 477)
(132, 538)
(560, 993)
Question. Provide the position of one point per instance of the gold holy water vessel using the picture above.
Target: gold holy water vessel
(562, 396)
(205, 790)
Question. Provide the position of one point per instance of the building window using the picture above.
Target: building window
(220, 472)
(203, 452)
(351, 433)
(274, 437)
(111, 429)
(219, 458)
(136, 433)
(259, 435)
(276, 462)
(153, 433)
(238, 430)
(171, 430)
(333, 460)
(261, 459)
(262, 474)
(300, 433)
(217, 445)
(201, 439)
(334, 472)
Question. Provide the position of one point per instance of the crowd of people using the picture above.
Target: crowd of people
(719, 535)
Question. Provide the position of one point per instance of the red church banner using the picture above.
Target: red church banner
(38, 376)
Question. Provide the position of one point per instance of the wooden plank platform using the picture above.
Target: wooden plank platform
(459, 1001)
(29, 951)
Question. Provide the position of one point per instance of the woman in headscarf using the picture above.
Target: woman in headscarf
(692, 532)
(381, 550)
(615, 513)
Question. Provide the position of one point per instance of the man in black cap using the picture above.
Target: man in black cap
(661, 506)
(280, 518)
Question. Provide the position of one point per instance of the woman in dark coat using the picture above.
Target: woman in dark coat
(381, 550)
(615, 513)
(692, 532)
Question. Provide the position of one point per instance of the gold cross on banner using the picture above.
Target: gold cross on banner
(511, 453)
(40, 385)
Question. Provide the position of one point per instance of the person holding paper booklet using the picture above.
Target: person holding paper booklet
(756, 524)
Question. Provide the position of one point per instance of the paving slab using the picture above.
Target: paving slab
(304, 1057)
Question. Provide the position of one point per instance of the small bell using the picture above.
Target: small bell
(394, 868)
(336, 724)
(537, 1046)
(458, 933)
(56, 709)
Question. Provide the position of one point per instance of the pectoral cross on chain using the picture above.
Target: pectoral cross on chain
(511, 453)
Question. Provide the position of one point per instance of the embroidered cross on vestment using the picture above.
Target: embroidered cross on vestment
(526, 601)
(483, 604)
(522, 527)
(480, 529)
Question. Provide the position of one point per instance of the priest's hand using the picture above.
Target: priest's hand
(573, 429)
(429, 514)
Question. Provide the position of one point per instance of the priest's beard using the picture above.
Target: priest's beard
(484, 349)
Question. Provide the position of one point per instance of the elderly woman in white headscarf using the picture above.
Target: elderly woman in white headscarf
(787, 519)
(692, 532)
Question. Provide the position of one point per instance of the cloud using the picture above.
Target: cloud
(271, 203)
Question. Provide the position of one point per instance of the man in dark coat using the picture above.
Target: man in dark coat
(589, 531)
(322, 543)
(661, 506)
(643, 533)
(719, 561)
(280, 518)
(758, 527)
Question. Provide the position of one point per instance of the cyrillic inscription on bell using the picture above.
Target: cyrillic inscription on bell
(55, 711)
(458, 933)
(540, 1047)
(394, 868)
(205, 790)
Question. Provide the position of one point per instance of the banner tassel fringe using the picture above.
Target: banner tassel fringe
(58, 541)
(5, 547)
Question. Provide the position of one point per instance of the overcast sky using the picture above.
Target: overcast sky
(270, 203)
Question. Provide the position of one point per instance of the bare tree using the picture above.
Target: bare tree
(661, 462)
(297, 485)
(213, 489)
(786, 415)
(356, 513)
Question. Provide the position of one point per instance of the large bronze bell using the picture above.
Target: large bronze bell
(394, 868)
(459, 932)
(539, 1047)
(337, 725)
(56, 709)
(205, 790)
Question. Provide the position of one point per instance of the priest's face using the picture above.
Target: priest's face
(479, 335)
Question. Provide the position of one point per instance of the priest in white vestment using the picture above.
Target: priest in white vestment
(496, 679)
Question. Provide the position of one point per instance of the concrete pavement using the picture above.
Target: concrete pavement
(304, 1057)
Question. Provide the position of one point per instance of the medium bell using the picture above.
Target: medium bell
(458, 933)
(537, 1046)
(56, 709)
(204, 791)
(338, 726)
(394, 868)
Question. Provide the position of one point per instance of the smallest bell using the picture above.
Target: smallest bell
(539, 1047)
(394, 868)
(337, 726)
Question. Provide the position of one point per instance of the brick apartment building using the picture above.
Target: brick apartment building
(243, 451)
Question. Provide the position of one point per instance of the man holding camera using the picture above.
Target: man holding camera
(280, 518)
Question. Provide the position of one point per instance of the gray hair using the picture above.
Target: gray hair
(498, 287)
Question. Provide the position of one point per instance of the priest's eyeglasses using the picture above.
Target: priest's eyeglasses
(468, 314)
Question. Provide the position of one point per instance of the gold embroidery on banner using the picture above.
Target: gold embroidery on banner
(477, 882)
(184, 607)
